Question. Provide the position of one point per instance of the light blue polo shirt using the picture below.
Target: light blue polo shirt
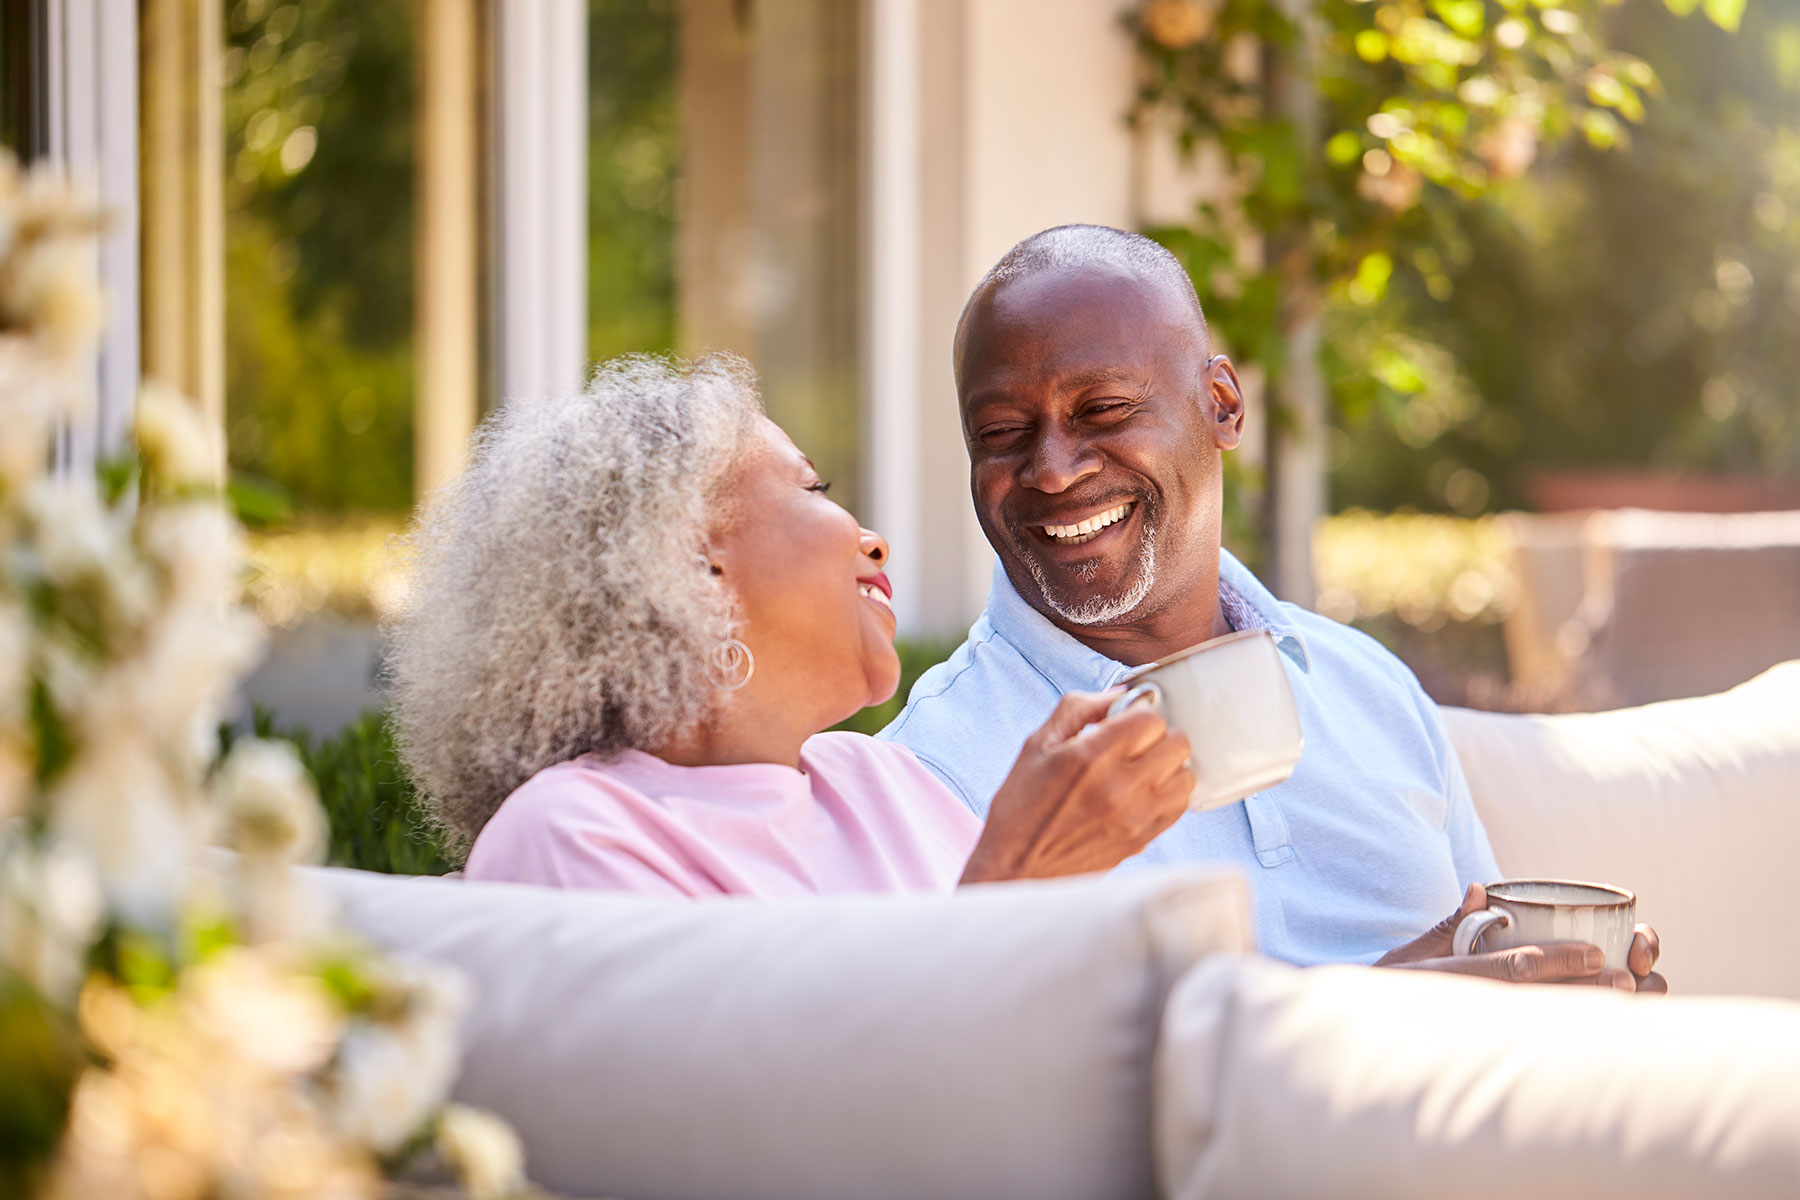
(1370, 842)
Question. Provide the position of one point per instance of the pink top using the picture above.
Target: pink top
(862, 816)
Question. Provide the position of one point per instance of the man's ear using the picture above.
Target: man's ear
(1225, 403)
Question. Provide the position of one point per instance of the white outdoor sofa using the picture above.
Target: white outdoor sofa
(1117, 1037)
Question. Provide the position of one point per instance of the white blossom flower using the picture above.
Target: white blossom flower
(174, 687)
(31, 397)
(117, 804)
(252, 1077)
(269, 813)
(50, 912)
(180, 447)
(84, 551)
(186, 1108)
(484, 1150)
(264, 1011)
(16, 749)
(267, 804)
(51, 284)
(200, 550)
(393, 1070)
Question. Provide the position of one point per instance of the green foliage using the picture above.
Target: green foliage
(1633, 307)
(1372, 152)
(40, 1056)
(319, 182)
(1420, 107)
(376, 820)
(633, 156)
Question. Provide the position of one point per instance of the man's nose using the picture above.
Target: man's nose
(1058, 462)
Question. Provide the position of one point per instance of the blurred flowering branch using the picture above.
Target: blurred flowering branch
(168, 1029)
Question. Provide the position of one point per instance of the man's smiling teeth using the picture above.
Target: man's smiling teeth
(876, 594)
(1071, 535)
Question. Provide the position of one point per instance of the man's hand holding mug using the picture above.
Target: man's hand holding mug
(1540, 931)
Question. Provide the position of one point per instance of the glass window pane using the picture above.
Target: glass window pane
(724, 199)
(319, 134)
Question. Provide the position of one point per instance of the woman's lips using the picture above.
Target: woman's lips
(877, 589)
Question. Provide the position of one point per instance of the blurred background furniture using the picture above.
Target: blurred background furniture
(1633, 606)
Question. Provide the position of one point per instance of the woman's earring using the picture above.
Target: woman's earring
(733, 665)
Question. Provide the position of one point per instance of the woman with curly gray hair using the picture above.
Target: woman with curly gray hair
(630, 620)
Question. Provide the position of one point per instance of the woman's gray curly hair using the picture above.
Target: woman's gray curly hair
(559, 601)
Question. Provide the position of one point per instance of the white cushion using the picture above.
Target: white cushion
(1347, 1082)
(992, 1044)
(1694, 804)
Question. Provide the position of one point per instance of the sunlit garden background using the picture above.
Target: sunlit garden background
(1513, 285)
(1554, 255)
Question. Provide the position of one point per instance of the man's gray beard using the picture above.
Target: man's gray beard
(1102, 610)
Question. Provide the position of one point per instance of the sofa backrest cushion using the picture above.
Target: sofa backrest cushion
(1352, 1083)
(1693, 804)
(992, 1044)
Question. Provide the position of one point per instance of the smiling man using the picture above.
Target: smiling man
(1096, 417)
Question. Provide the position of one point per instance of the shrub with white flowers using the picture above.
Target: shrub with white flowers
(172, 1025)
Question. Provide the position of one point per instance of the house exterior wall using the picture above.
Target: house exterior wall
(1019, 117)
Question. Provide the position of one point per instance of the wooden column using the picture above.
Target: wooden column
(183, 213)
(445, 340)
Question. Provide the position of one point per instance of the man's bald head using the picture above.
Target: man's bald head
(1095, 417)
(1081, 247)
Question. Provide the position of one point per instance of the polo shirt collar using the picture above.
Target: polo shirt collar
(1071, 666)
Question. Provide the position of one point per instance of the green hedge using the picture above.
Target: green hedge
(377, 820)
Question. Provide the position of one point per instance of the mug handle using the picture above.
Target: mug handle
(1144, 693)
(1471, 927)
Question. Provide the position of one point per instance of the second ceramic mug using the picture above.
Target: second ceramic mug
(1232, 699)
(1530, 912)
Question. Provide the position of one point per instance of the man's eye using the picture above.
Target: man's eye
(1002, 436)
(821, 487)
(1108, 408)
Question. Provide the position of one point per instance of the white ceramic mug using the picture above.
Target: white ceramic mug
(1231, 697)
(1530, 912)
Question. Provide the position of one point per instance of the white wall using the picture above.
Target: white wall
(1019, 115)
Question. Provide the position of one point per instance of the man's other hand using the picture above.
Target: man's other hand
(1552, 962)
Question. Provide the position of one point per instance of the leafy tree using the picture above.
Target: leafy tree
(1628, 308)
(1358, 140)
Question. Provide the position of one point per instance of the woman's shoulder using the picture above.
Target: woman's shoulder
(840, 753)
(578, 823)
(841, 747)
(586, 787)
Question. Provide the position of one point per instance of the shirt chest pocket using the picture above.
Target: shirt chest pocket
(1268, 831)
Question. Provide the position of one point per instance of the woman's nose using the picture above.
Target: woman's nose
(875, 546)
